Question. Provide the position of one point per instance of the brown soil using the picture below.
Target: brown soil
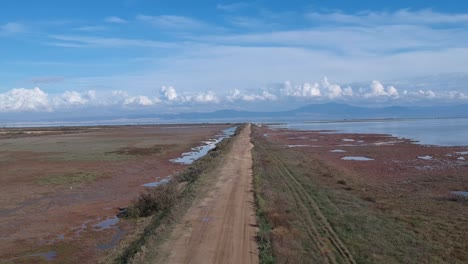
(221, 227)
(38, 217)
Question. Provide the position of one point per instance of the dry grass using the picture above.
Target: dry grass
(69, 178)
(316, 214)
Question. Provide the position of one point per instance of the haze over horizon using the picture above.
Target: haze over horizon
(130, 56)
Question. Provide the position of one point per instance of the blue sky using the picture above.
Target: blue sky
(173, 56)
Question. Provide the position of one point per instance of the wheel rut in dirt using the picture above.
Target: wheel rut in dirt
(317, 226)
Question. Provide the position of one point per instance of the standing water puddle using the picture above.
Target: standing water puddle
(338, 151)
(106, 224)
(427, 157)
(460, 193)
(157, 183)
(357, 158)
(200, 151)
(48, 256)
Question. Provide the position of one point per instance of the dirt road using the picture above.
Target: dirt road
(221, 227)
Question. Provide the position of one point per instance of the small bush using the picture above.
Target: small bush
(370, 199)
(343, 182)
(153, 200)
(190, 175)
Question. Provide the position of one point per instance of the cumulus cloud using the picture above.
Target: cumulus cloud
(304, 90)
(139, 100)
(208, 97)
(348, 91)
(169, 93)
(236, 95)
(427, 93)
(457, 95)
(324, 89)
(24, 100)
(378, 90)
(333, 90)
(73, 98)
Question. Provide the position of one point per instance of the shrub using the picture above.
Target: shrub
(153, 200)
(343, 182)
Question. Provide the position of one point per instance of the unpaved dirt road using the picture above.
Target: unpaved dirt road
(221, 227)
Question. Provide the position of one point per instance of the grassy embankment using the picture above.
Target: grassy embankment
(309, 213)
(157, 210)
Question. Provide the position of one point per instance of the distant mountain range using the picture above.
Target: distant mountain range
(334, 111)
(327, 111)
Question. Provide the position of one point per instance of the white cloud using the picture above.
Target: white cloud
(139, 100)
(115, 20)
(208, 97)
(21, 99)
(378, 90)
(234, 95)
(169, 93)
(316, 90)
(91, 94)
(304, 90)
(427, 93)
(457, 95)
(269, 96)
(73, 98)
(333, 90)
(348, 91)
(264, 95)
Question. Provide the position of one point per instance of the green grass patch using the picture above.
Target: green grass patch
(69, 178)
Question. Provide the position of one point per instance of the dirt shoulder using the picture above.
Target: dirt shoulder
(221, 227)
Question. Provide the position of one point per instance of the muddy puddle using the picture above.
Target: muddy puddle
(200, 151)
(460, 193)
(357, 158)
(106, 224)
(49, 256)
(157, 183)
(338, 151)
(426, 157)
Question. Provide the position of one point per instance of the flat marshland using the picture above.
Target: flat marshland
(392, 203)
(318, 197)
(61, 188)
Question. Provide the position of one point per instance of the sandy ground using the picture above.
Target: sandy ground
(221, 227)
